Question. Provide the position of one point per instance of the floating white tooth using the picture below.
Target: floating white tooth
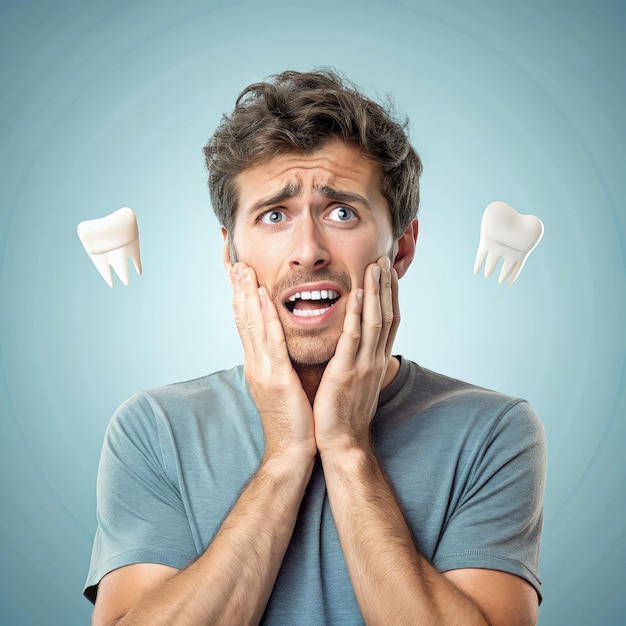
(109, 241)
(506, 234)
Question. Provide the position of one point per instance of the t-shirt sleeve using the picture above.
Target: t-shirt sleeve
(498, 520)
(140, 513)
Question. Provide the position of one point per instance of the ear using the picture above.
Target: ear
(226, 251)
(406, 248)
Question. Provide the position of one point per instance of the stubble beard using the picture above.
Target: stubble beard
(309, 349)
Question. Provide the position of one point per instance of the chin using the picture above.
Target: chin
(311, 351)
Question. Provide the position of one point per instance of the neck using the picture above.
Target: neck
(311, 375)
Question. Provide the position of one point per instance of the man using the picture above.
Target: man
(326, 481)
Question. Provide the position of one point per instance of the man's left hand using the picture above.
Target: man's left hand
(347, 397)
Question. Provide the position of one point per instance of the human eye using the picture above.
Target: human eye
(342, 214)
(273, 217)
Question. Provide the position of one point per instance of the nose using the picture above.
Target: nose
(309, 249)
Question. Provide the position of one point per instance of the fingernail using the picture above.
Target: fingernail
(376, 272)
(386, 264)
(359, 295)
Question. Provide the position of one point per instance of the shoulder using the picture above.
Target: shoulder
(229, 382)
(433, 388)
(156, 412)
(187, 394)
(459, 409)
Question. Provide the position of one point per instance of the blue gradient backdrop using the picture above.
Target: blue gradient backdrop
(108, 104)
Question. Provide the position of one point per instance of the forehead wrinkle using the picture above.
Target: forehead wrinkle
(288, 191)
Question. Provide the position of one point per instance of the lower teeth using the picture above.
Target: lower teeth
(309, 312)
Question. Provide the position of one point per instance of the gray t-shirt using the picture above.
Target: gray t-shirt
(467, 465)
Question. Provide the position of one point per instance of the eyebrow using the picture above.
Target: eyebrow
(289, 191)
(294, 189)
(342, 196)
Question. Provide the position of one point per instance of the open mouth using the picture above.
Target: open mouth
(311, 303)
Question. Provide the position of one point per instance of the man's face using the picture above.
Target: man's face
(309, 225)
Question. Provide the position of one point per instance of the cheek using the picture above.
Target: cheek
(258, 256)
(370, 252)
(264, 268)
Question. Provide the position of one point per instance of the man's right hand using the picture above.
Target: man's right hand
(231, 582)
(285, 410)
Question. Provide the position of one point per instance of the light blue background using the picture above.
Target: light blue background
(109, 105)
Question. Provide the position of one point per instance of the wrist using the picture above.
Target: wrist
(291, 464)
(342, 441)
(353, 458)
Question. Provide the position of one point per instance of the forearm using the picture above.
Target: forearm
(392, 581)
(232, 581)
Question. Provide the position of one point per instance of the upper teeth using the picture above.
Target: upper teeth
(322, 294)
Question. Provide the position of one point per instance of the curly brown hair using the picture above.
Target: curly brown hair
(299, 112)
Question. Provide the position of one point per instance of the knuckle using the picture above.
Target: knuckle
(380, 359)
(354, 335)
(377, 325)
(240, 323)
(252, 327)
(274, 353)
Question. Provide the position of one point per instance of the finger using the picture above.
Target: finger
(255, 325)
(239, 302)
(274, 333)
(247, 309)
(350, 339)
(372, 322)
(396, 313)
(386, 304)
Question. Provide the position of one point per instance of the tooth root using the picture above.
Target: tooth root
(480, 257)
(490, 265)
(516, 271)
(132, 250)
(119, 262)
(507, 266)
(110, 241)
(102, 265)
